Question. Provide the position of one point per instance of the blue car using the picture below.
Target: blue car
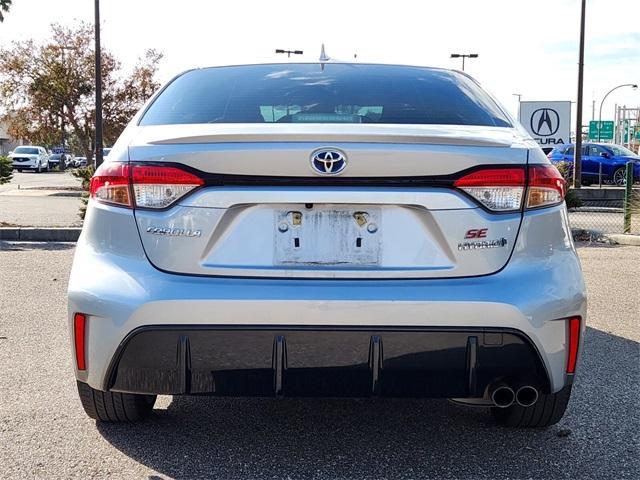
(613, 159)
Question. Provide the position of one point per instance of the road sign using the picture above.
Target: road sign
(606, 130)
(549, 123)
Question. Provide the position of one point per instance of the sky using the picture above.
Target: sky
(529, 47)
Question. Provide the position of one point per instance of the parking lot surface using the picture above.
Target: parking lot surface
(47, 199)
(45, 434)
(50, 180)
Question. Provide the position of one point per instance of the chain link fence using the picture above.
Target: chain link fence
(606, 210)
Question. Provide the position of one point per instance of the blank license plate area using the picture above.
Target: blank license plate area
(327, 235)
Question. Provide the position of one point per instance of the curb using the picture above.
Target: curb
(625, 239)
(585, 235)
(35, 234)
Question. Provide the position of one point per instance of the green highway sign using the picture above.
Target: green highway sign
(606, 130)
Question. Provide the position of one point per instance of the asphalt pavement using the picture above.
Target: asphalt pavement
(47, 199)
(45, 434)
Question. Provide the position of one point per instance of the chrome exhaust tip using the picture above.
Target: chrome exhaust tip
(527, 396)
(502, 395)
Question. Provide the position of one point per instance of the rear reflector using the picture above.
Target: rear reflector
(573, 342)
(79, 324)
(503, 189)
(153, 186)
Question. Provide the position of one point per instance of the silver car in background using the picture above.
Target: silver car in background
(339, 230)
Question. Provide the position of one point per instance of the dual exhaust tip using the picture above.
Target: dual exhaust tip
(503, 396)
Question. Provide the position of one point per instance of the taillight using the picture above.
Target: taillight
(503, 189)
(159, 187)
(546, 186)
(498, 189)
(110, 184)
(153, 186)
(573, 343)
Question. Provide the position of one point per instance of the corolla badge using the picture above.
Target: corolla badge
(328, 161)
(174, 232)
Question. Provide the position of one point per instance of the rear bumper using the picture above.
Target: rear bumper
(530, 299)
(328, 362)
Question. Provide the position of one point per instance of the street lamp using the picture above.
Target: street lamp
(289, 52)
(98, 141)
(463, 56)
(632, 85)
(63, 48)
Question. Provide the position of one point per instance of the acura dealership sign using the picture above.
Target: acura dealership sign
(549, 123)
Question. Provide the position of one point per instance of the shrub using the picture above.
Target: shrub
(566, 170)
(84, 174)
(6, 170)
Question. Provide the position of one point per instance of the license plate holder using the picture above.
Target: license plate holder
(329, 235)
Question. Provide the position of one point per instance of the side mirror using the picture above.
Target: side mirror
(605, 155)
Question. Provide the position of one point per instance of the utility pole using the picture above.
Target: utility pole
(98, 87)
(577, 155)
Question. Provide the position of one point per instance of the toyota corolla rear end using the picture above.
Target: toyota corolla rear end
(338, 230)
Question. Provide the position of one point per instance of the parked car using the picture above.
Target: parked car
(80, 162)
(598, 159)
(60, 160)
(341, 230)
(30, 157)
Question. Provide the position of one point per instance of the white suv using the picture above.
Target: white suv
(28, 157)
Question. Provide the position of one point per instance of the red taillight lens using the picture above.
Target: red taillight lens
(153, 186)
(498, 189)
(79, 325)
(159, 187)
(546, 186)
(573, 342)
(110, 184)
(502, 189)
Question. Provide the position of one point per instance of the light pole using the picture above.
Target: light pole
(63, 48)
(98, 87)
(289, 52)
(632, 85)
(577, 152)
(463, 56)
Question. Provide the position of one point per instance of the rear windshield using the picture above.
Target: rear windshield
(27, 150)
(328, 93)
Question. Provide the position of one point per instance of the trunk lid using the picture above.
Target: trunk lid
(265, 212)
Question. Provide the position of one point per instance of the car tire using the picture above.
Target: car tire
(619, 177)
(547, 411)
(114, 406)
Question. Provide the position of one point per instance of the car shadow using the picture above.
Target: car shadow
(395, 438)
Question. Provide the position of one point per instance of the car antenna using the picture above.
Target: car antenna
(324, 58)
